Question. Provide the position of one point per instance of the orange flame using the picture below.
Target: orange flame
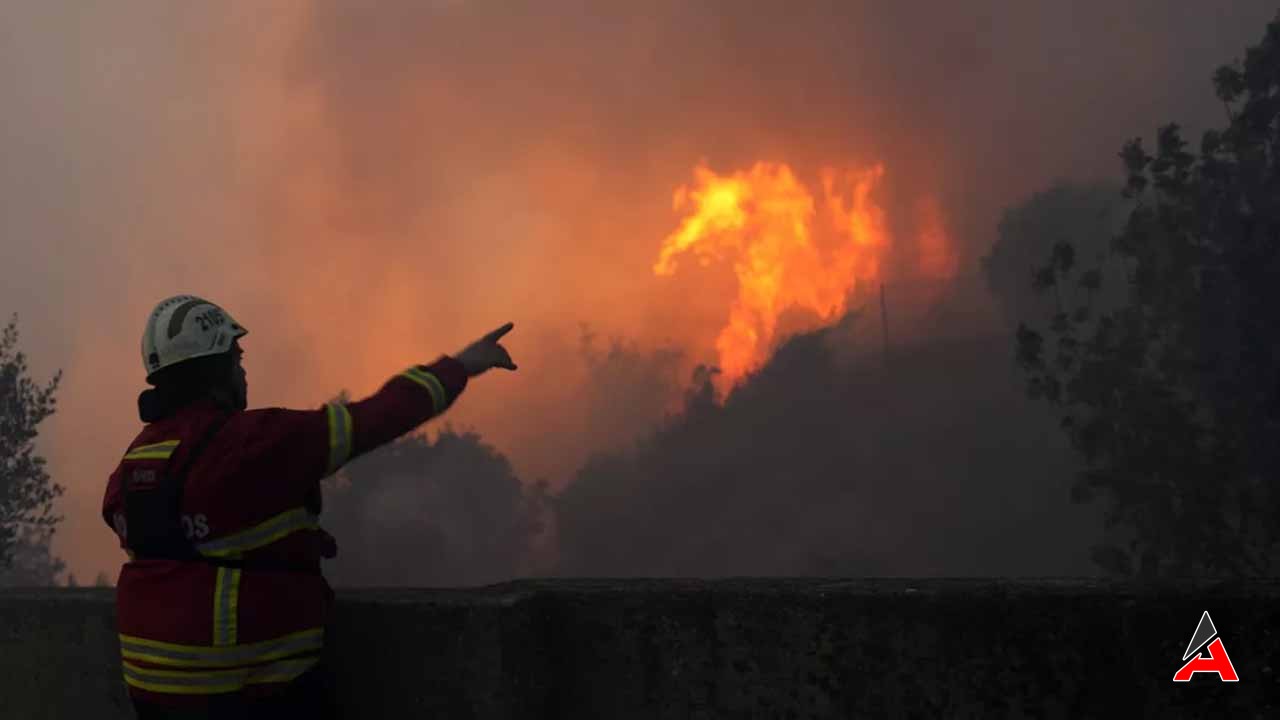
(764, 218)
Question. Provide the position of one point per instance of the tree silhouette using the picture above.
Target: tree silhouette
(1171, 399)
(933, 464)
(1084, 216)
(416, 512)
(32, 563)
(26, 491)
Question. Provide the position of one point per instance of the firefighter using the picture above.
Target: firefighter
(222, 606)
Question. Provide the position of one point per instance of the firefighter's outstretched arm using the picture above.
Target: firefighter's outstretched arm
(411, 398)
(319, 442)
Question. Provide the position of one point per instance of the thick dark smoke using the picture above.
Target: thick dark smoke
(1085, 216)
(928, 462)
(983, 101)
(452, 511)
(368, 184)
(629, 389)
(449, 512)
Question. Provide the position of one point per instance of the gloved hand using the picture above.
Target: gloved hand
(486, 353)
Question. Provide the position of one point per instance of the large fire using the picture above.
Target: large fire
(786, 255)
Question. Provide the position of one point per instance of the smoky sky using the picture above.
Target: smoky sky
(369, 185)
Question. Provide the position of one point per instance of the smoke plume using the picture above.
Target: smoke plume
(367, 185)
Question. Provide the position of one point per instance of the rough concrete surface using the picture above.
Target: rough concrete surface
(739, 648)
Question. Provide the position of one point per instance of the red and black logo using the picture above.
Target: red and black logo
(1214, 660)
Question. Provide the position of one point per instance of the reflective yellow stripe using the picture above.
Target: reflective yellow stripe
(226, 601)
(177, 655)
(262, 534)
(211, 651)
(155, 451)
(155, 455)
(433, 385)
(208, 682)
(339, 436)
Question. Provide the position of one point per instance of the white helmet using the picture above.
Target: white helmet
(185, 327)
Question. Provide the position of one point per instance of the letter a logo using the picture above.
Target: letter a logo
(1216, 661)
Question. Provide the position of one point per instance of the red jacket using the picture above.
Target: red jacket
(190, 629)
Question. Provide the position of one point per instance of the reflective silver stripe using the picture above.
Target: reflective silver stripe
(203, 683)
(439, 398)
(174, 655)
(226, 602)
(339, 436)
(282, 671)
(262, 534)
(215, 681)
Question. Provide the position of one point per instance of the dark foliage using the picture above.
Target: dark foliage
(1082, 217)
(26, 490)
(449, 512)
(1171, 399)
(936, 465)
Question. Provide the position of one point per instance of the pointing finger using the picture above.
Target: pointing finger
(504, 360)
(497, 334)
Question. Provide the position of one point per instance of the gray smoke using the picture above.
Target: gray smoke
(373, 183)
(930, 461)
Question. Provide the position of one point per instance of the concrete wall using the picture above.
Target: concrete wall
(731, 648)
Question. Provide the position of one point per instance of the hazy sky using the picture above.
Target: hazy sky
(368, 185)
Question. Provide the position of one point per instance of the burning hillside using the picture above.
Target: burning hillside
(790, 251)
